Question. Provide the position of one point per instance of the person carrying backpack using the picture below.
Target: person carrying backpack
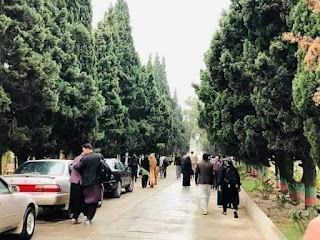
(229, 184)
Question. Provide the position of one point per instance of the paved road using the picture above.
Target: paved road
(166, 212)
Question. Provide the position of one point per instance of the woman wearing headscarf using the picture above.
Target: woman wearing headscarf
(152, 170)
(186, 171)
(230, 185)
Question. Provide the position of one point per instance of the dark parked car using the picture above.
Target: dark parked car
(120, 178)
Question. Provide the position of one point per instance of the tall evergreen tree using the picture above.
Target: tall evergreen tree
(80, 102)
(111, 122)
(305, 84)
(28, 76)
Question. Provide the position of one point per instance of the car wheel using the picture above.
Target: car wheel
(130, 187)
(29, 223)
(117, 192)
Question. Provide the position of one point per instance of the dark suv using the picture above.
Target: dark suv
(120, 178)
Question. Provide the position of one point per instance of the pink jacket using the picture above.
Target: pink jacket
(75, 176)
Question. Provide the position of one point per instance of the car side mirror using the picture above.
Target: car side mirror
(14, 189)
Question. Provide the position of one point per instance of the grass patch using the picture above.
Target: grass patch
(290, 231)
(248, 184)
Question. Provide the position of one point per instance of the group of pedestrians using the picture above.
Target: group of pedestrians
(219, 175)
(148, 166)
(85, 193)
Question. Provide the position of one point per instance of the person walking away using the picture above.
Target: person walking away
(194, 161)
(164, 167)
(89, 170)
(204, 179)
(152, 170)
(216, 166)
(230, 186)
(133, 164)
(76, 193)
(126, 160)
(187, 172)
(178, 164)
(144, 171)
(223, 165)
(162, 159)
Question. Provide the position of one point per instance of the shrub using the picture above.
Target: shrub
(282, 200)
(265, 187)
(302, 218)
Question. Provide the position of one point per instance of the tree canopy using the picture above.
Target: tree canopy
(256, 91)
(63, 83)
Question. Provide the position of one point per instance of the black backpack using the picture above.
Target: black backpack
(104, 172)
(231, 176)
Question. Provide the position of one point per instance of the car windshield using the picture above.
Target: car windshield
(41, 168)
(110, 163)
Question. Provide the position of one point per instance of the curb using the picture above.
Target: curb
(266, 226)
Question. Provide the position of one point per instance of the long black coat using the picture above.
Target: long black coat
(230, 192)
(187, 172)
(88, 168)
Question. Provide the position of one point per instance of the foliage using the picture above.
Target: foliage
(255, 106)
(282, 200)
(242, 169)
(63, 83)
(302, 219)
(265, 187)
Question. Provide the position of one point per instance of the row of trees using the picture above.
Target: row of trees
(63, 83)
(258, 93)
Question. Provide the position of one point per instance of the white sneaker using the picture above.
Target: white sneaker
(204, 212)
(75, 221)
(87, 222)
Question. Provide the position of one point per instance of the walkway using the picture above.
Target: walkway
(167, 212)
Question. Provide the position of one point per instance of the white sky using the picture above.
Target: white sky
(179, 30)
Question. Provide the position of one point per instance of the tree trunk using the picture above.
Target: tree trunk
(309, 179)
(285, 165)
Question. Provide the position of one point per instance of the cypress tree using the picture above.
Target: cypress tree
(29, 78)
(111, 122)
(304, 86)
(80, 102)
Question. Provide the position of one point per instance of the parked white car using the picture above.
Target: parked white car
(18, 211)
(47, 181)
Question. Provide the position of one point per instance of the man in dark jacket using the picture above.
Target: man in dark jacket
(204, 177)
(89, 170)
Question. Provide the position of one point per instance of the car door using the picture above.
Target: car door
(10, 209)
(120, 170)
(126, 174)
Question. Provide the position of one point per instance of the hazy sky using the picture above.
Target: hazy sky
(179, 30)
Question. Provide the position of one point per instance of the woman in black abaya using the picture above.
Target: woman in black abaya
(186, 171)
